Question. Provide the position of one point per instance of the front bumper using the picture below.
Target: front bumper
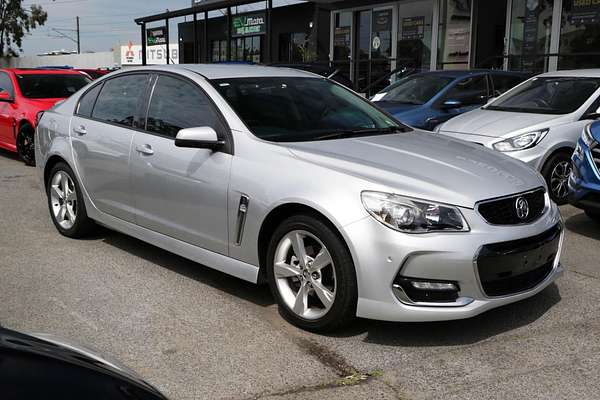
(381, 254)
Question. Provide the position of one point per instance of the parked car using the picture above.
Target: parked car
(537, 122)
(427, 99)
(584, 181)
(43, 366)
(280, 175)
(23, 94)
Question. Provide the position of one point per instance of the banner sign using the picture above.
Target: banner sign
(382, 20)
(585, 11)
(250, 24)
(156, 36)
(413, 28)
(530, 33)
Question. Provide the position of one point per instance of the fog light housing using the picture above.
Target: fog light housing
(426, 291)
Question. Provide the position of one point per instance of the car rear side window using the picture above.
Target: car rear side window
(503, 83)
(119, 99)
(470, 91)
(87, 101)
(6, 84)
(177, 104)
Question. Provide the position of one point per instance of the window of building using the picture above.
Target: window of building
(119, 98)
(177, 104)
(579, 35)
(455, 34)
(341, 36)
(293, 47)
(219, 50)
(414, 34)
(531, 24)
(247, 49)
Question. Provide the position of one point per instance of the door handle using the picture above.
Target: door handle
(144, 149)
(80, 130)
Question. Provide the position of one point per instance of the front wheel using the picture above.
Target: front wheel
(311, 274)
(556, 172)
(26, 145)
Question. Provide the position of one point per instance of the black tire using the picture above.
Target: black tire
(343, 309)
(556, 176)
(83, 225)
(26, 144)
(593, 215)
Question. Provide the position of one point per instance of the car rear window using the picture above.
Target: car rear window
(50, 86)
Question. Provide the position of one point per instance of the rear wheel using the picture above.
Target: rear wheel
(65, 202)
(556, 173)
(311, 274)
(26, 145)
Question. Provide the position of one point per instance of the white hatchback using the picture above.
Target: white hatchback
(538, 122)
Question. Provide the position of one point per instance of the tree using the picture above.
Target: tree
(15, 22)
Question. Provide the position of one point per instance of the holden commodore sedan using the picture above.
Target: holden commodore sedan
(279, 175)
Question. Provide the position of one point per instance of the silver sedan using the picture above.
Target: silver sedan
(281, 176)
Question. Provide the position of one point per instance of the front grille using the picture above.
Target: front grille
(595, 150)
(504, 211)
(518, 265)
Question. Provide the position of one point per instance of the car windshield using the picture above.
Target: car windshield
(416, 89)
(551, 95)
(50, 86)
(295, 109)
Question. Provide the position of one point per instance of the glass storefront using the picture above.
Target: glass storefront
(530, 35)
(579, 35)
(414, 34)
(454, 34)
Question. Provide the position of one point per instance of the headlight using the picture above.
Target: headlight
(520, 142)
(412, 215)
(586, 136)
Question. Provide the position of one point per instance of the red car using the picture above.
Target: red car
(23, 94)
(94, 73)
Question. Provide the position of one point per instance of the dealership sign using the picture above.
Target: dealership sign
(251, 24)
(585, 11)
(156, 36)
(132, 54)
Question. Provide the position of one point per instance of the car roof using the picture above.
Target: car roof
(225, 71)
(580, 73)
(41, 71)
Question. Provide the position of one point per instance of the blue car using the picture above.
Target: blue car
(584, 181)
(427, 99)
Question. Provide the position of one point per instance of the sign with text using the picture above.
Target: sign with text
(156, 36)
(132, 54)
(250, 24)
(585, 11)
(413, 28)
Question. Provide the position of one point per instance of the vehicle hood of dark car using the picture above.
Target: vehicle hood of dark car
(424, 165)
(498, 124)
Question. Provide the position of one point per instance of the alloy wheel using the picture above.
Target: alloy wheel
(63, 199)
(304, 274)
(559, 179)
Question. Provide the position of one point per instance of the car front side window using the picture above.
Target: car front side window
(119, 99)
(470, 91)
(177, 104)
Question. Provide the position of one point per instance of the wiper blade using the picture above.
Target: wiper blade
(346, 133)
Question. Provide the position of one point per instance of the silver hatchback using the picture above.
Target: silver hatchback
(281, 176)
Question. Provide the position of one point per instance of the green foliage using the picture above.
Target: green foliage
(15, 22)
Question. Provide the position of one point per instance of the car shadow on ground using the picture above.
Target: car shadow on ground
(259, 295)
(9, 154)
(583, 225)
(448, 333)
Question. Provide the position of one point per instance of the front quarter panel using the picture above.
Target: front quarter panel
(52, 139)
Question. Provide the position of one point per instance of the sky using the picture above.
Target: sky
(104, 24)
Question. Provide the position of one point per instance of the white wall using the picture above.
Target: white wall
(86, 60)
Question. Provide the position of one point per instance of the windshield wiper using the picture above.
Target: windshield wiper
(346, 133)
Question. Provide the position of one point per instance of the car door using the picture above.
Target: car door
(181, 192)
(7, 129)
(102, 131)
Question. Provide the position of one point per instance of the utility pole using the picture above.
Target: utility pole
(78, 41)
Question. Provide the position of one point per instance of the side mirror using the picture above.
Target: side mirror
(203, 137)
(451, 104)
(590, 115)
(5, 96)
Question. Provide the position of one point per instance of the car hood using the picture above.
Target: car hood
(424, 165)
(498, 124)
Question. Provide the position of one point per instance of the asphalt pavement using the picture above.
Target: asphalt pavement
(196, 333)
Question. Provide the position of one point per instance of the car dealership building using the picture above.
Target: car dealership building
(369, 41)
